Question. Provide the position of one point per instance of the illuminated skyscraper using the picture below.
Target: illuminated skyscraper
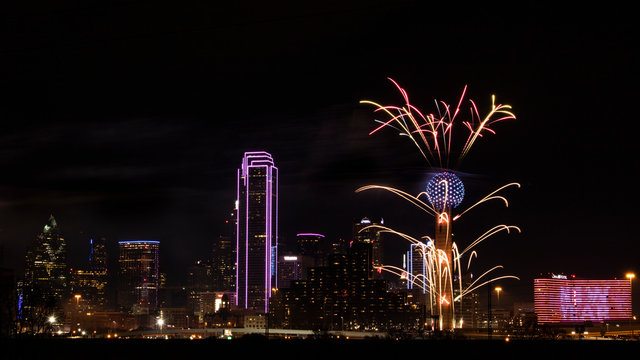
(309, 243)
(224, 255)
(312, 247)
(45, 276)
(311, 251)
(369, 238)
(257, 231)
(91, 283)
(139, 276)
(417, 268)
(289, 269)
(98, 253)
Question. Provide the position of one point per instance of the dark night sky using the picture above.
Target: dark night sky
(130, 119)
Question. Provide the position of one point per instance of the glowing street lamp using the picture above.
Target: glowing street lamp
(52, 321)
(498, 289)
(160, 323)
(77, 296)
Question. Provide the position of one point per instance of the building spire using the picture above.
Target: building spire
(51, 224)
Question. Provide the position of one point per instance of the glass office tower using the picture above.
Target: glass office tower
(139, 276)
(257, 231)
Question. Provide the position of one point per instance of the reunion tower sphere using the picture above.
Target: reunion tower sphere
(445, 189)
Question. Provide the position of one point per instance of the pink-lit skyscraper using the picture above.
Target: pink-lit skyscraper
(257, 232)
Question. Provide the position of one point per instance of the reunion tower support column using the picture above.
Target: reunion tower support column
(443, 245)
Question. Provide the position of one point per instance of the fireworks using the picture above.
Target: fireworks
(432, 134)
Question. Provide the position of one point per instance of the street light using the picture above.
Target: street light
(51, 320)
(498, 289)
(160, 322)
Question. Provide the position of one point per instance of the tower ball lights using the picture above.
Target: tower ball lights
(445, 190)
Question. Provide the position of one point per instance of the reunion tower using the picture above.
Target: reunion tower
(432, 134)
(445, 191)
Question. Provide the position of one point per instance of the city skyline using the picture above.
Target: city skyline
(134, 133)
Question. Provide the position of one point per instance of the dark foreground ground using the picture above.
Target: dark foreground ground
(89, 349)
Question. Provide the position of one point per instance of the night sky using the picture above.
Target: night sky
(129, 120)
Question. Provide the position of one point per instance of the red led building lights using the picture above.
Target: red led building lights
(559, 300)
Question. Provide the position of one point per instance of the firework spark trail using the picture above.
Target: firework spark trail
(437, 147)
(472, 287)
(426, 284)
(473, 255)
(434, 260)
(412, 199)
(415, 200)
(407, 111)
(496, 229)
(484, 125)
(438, 267)
(442, 217)
(414, 279)
(389, 230)
(489, 197)
(402, 125)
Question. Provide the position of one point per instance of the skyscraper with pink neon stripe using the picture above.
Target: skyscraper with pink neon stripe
(257, 233)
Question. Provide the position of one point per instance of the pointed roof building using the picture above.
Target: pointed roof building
(45, 275)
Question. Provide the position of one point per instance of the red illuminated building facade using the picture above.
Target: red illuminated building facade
(560, 299)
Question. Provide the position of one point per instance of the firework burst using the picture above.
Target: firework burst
(432, 134)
